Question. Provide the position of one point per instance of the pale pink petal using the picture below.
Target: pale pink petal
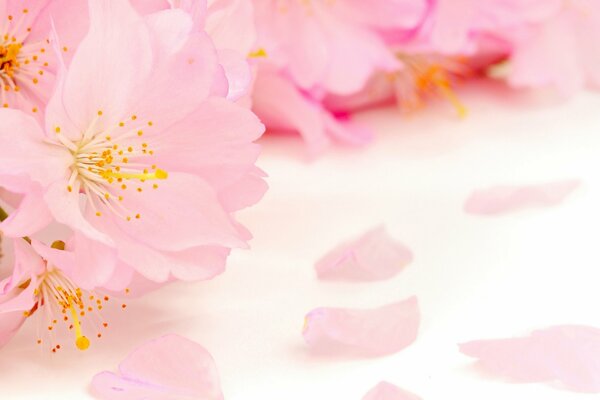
(222, 132)
(244, 192)
(29, 217)
(569, 354)
(95, 82)
(167, 368)
(26, 153)
(195, 263)
(191, 207)
(9, 325)
(373, 332)
(505, 199)
(387, 391)
(281, 106)
(196, 8)
(344, 40)
(170, 30)
(88, 263)
(237, 72)
(346, 131)
(373, 256)
(14, 295)
(66, 208)
(386, 14)
(182, 80)
(538, 59)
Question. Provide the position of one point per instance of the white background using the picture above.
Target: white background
(475, 277)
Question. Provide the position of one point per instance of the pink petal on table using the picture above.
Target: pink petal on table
(569, 354)
(504, 199)
(373, 332)
(387, 391)
(373, 256)
(168, 368)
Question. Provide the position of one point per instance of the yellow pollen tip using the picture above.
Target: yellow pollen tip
(257, 53)
(82, 343)
(58, 245)
(161, 174)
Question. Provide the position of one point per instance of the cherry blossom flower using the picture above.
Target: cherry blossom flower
(168, 368)
(138, 154)
(322, 48)
(42, 284)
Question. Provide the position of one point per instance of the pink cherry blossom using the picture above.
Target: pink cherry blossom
(504, 199)
(137, 153)
(27, 65)
(569, 354)
(319, 48)
(43, 284)
(387, 391)
(373, 332)
(373, 256)
(168, 368)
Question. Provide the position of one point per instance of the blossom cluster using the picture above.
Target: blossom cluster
(131, 124)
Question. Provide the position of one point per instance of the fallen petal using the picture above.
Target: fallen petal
(168, 368)
(504, 199)
(387, 391)
(372, 332)
(569, 354)
(373, 256)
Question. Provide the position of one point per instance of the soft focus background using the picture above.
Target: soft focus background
(475, 277)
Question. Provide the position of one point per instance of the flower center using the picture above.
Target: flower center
(8, 58)
(106, 161)
(22, 63)
(61, 301)
(425, 75)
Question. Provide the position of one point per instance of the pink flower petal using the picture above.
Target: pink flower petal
(30, 216)
(504, 199)
(168, 368)
(373, 256)
(387, 391)
(569, 354)
(373, 332)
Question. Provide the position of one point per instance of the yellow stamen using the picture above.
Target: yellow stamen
(157, 174)
(82, 342)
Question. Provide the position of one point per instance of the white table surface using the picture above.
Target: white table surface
(475, 277)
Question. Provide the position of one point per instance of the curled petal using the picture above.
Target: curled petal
(569, 354)
(504, 199)
(373, 256)
(387, 391)
(168, 368)
(373, 332)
